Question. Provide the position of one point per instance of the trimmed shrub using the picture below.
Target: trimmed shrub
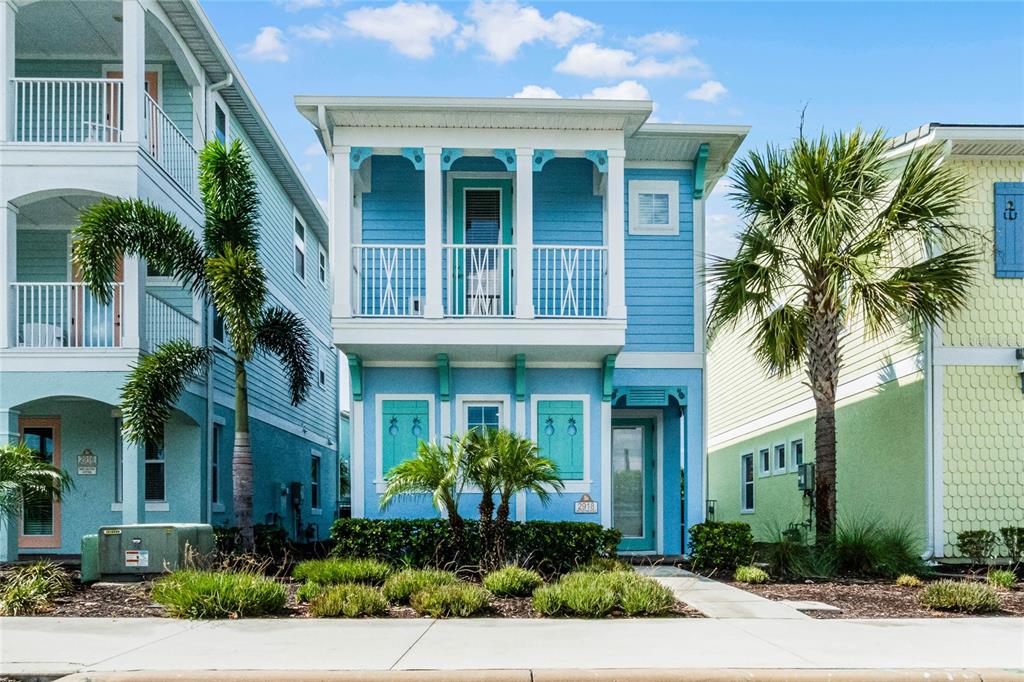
(348, 600)
(1001, 578)
(604, 565)
(512, 581)
(979, 545)
(594, 595)
(400, 587)
(907, 580)
(960, 595)
(205, 594)
(721, 545)
(337, 571)
(32, 588)
(460, 600)
(307, 592)
(1013, 538)
(750, 574)
(786, 552)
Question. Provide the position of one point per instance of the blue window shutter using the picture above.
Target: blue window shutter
(404, 423)
(1009, 237)
(560, 432)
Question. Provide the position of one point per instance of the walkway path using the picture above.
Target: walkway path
(715, 599)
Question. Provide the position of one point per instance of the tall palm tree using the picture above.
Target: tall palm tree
(436, 470)
(831, 236)
(223, 267)
(24, 476)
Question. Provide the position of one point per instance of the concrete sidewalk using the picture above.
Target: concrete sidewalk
(53, 646)
(715, 599)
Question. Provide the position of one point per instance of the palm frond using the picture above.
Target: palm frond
(111, 228)
(154, 385)
(436, 471)
(781, 338)
(238, 288)
(283, 333)
(230, 195)
(24, 476)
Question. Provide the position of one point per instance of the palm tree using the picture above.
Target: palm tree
(481, 470)
(24, 476)
(830, 236)
(436, 470)
(224, 267)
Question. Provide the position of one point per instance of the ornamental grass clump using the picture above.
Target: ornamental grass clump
(348, 600)
(998, 577)
(594, 595)
(459, 600)
(307, 592)
(207, 594)
(512, 581)
(752, 575)
(29, 589)
(604, 565)
(960, 595)
(907, 580)
(401, 586)
(337, 571)
(644, 597)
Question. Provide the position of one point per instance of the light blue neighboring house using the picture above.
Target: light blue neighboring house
(533, 264)
(113, 99)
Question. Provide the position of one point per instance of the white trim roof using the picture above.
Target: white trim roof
(964, 139)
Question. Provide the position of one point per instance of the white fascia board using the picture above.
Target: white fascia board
(477, 138)
(977, 357)
(655, 360)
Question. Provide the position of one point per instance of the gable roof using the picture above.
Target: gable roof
(965, 139)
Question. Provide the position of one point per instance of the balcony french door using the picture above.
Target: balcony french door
(481, 258)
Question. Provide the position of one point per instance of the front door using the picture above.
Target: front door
(40, 515)
(481, 260)
(633, 491)
(114, 117)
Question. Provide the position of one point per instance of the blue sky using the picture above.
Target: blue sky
(889, 65)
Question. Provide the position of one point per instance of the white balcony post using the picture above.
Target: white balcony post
(8, 273)
(341, 230)
(7, 14)
(133, 481)
(133, 32)
(432, 199)
(615, 231)
(524, 234)
(133, 303)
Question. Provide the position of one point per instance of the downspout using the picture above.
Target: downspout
(220, 85)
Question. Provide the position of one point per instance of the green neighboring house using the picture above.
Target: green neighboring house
(930, 424)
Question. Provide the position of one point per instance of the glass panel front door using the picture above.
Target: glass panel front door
(633, 494)
(482, 263)
(40, 514)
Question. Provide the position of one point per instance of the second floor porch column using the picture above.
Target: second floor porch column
(133, 56)
(432, 198)
(615, 233)
(524, 234)
(7, 15)
(341, 229)
(8, 270)
(134, 307)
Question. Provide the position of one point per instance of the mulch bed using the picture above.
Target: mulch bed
(862, 599)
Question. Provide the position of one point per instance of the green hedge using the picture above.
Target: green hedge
(551, 547)
(721, 544)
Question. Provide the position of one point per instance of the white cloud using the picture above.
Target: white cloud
(327, 29)
(624, 90)
(661, 41)
(410, 28)
(269, 46)
(501, 27)
(593, 61)
(314, 149)
(708, 91)
(537, 92)
(299, 5)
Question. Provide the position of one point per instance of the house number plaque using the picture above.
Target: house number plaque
(585, 505)
(87, 463)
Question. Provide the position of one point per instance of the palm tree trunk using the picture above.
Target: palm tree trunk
(486, 509)
(501, 529)
(823, 361)
(241, 461)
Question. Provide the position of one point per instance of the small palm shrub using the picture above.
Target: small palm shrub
(960, 595)
(459, 600)
(604, 565)
(307, 592)
(1001, 578)
(979, 545)
(512, 581)
(594, 595)
(751, 575)
(206, 594)
(337, 571)
(348, 600)
(907, 580)
(32, 588)
(1013, 538)
(401, 586)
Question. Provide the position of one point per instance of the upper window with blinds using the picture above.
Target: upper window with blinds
(483, 216)
(654, 207)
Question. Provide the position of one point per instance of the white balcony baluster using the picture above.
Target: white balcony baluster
(169, 146)
(67, 110)
(570, 281)
(389, 280)
(166, 323)
(66, 315)
(478, 280)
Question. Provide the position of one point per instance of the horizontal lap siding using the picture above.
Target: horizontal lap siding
(565, 210)
(659, 276)
(42, 256)
(393, 211)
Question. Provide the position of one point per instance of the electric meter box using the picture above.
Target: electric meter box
(150, 547)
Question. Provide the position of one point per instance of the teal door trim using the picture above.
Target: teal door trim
(649, 496)
(459, 187)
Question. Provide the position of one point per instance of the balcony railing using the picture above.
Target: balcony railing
(389, 280)
(569, 281)
(66, 315)
(67, 110)
(169, 146)
(166, 323)
(478, 280)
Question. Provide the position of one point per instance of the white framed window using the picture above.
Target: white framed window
(300, 249)
(218, 328)
(156, 472)
(220, 123)
(796, 453)
(747, 483)
(215, 465)
(482, 416)
(764, 462)
(321, 368)
(779, 458)
(322, 266)
(481, 411)
(654, 207)
(314, 480)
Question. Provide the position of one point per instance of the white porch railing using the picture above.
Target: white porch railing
(76, 110)
(569, 281)
(389, 280)
(166, 323)
(66, 315)
(479, 280)
(169, 146)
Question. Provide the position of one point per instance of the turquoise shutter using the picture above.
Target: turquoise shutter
(560, 429)
(1009, 201)
(404, 423)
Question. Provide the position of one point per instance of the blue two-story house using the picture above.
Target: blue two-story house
(533, 264)
(114, 99)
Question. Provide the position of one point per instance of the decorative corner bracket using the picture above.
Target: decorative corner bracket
(507, 157)
(450, 155)
(541, 157)
(599, 157)
(521, 378)
(358, 155)
(444, 383)
(608, 379)
(414, 154)
(698, 170)
(355, 370)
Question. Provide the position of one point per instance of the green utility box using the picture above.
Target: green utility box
(150, 547)
(90, 558)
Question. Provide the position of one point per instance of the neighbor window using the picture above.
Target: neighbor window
(483, 416)
(780, 457)
(300, 249)
(321, 373)
(215, 465)
(322, 270)
(654, 207)
(155, 471)
(796, 449)
(747, 482)
(220, 124)
(314, 481)
(764, 458)
(218, 327)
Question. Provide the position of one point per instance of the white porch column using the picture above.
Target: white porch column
(9, 523)
(133, 329)
(133, 38)
(524, 233)
(615, 214)
(7, 14)
(432, 198)
(8, 273)
(341, 230)
(133, 481)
